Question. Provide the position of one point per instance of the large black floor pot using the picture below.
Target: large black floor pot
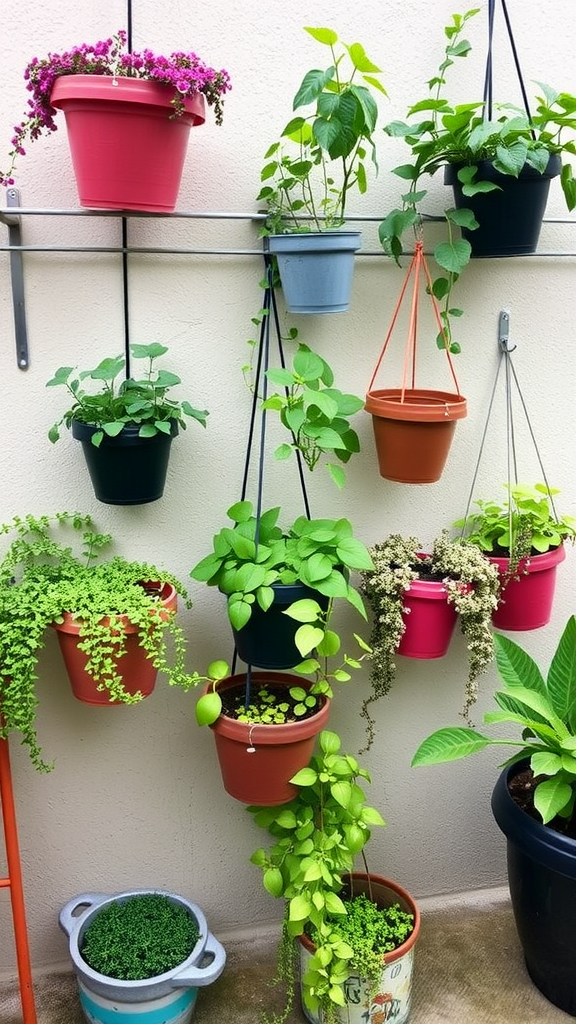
(542, 880)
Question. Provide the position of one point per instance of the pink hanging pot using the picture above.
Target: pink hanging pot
(526, 599)
(430, 620)
(127, 149)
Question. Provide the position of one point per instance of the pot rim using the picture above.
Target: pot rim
(85, 919)
(70, 624)
(536, 840)
(416, 404)
(410, 942)
(68, 89)
(248, 733)
(533, 563)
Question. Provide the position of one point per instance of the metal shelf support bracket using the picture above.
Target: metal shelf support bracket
(17, 278)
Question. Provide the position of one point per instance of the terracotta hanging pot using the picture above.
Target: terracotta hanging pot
(430, 620)
(414, 427)
(127, 151)
(138, 671)
(413, 431)
(392, 999)
(257, 761)
(526, 601)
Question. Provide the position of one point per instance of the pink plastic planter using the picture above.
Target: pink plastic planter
(429, 618)
(526, 602)
(126, 151)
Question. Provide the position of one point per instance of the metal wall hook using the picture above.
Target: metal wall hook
(504, 331)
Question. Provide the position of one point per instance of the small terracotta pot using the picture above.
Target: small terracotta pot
(138, 672)
(526, 602)
(392, 1000)
(413, 431)
(257, 761)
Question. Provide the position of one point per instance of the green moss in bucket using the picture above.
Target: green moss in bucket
(139, 937)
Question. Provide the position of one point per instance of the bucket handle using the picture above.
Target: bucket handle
(68, 918)
(203, 974)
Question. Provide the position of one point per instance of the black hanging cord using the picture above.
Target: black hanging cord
(259, 395)
(125, 289)
(488, 78)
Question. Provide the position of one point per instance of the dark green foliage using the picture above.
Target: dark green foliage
(139, 937)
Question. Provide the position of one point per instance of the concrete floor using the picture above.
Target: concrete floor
(468, 970)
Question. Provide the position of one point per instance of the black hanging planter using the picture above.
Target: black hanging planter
(509, 217)
(267, 639)
(542, 880)
(127, 469)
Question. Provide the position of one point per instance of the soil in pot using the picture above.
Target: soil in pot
(521, 788)
(257, 760)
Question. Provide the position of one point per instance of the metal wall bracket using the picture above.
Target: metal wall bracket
(17, 279)
(504, 331)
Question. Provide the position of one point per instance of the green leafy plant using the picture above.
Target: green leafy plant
(472, 586)
(545, 710)
(320, 158)
(317, 644)
(314, 411)
(371, 931)
(138, 937)
(525, 524)
(446, 133)
(144, 403)
(254, 553)
(41, 577)
(315, 840)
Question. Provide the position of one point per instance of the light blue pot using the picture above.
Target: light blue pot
(316, 269)
(169, 998)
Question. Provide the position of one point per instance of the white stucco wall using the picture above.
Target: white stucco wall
(135, 798)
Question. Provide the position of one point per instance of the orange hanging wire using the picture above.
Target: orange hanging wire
(418, 266)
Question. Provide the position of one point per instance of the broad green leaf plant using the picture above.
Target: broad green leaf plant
(51, 565)
(524, 524)
(315, 840)
(315, 412)
(126, 402)
(447, 133)
(545, 711)
(321, 157)
(253, 554)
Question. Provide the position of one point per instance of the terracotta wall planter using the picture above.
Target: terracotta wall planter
(138, 672)
(413, 431)
(257, 761)
(392, 1000)
(126, 151)
(526, 602)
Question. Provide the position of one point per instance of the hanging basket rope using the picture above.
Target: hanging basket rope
(414, 427)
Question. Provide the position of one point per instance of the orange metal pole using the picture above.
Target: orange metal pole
(14, 883)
